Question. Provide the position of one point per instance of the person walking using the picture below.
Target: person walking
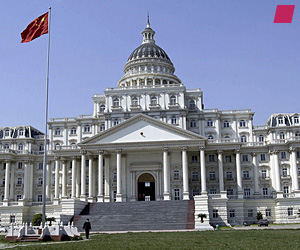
(87, 227)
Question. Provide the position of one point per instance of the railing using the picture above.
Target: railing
(288, 195)
(214, 196)
(251, 144)
(6, 151)
(258, 197)
(66, 147)
(223, 140)
(232, 197)
(146, 86)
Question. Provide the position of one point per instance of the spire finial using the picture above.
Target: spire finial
(148, 23)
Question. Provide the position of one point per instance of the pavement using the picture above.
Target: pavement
(272, 226)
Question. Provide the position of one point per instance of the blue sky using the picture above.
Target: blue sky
(231, 49)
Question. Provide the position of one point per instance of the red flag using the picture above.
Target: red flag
(35, 29)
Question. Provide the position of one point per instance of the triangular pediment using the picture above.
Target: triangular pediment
(142, 129)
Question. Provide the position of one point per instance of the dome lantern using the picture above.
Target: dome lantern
(148, 34)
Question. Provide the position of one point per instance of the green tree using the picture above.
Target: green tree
(37, 219)
(259, 216)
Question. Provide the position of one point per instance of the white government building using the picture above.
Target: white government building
(151, 138)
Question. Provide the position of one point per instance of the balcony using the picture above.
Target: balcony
(285, 177)
(173, 105)
(135, 107)
(116, 108)
(154, 106)
(223, 140)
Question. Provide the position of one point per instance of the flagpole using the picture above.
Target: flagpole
(46, 123)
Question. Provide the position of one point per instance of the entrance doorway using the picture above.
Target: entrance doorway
(146, 188)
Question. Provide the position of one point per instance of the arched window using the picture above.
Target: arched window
(297, 134)
(242, 123)
(243, 138)
(174, 120)
(87, 128)
(192, 104)
(282, 136)
(153, 100)
(102, 107)
(226, 124)
(296, 119)
(210, 137)
(280, 120)
(116, 102)
(57, 131)
(102, 127)
(134, 101)
(172, 99)
(21, 146)
(209, 123)
(261, 138)
(57, 146)
(73, 131)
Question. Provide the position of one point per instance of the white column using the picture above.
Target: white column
(78, 179)
(255, 173)
(239, 173)
(119, 176)
(100, 176)
(74, 171)
(25, 194)
(91, 158)
(12, 182)
(203, 171)
(166, 174)
(277, 172)
(185, 174)
(48, 182)
(64, 180)
(133, 186)
(7, 179)
(221, 171)
(30, 181)
(293, 161)
(83, 176)
(79, 132)
(124, 179)
(56, 192)
(107, 180)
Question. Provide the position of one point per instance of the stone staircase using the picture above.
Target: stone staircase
(29, 238)
(138, 216)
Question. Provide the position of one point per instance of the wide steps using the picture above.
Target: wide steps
(29, 238)
(137, 216)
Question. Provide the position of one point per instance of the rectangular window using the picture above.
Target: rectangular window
(41, 165)
(268, 212)
(227, 158)
(246, 191)
(115, 176)
(246, 174)
(231, 213)
(20, 181)
(244, 157)
(211, 158)
(176, 194)
(298, 171)
(215, 213)
(298, 154)
(250, 213)
(284, 172)
(195, 175)
(263, 157)
(212, 175)
(12, 219)
(40, 198)
(176, 174)
(147, 184)
(4, 165)
(20, 165)
(193, 124)
(285, 190)
(283, 155)
(264, 174)
(194, 158)
(212, 191)
(229, 175)
(19, 197)
(265, 191)
(229, 191)
(196, 192)
(290, 211)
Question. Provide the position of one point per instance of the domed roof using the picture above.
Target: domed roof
(149, 50)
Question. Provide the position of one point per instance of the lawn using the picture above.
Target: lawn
(223, 239)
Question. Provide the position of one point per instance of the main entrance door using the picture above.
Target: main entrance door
(146, 188)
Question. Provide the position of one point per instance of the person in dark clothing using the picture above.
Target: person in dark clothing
(87, 227)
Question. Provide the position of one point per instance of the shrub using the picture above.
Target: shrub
(259, 216)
